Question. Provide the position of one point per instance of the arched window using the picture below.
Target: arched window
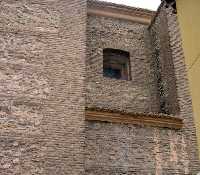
(116, 64)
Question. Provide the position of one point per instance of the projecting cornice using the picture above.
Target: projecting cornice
(154, 120)
(111, 10)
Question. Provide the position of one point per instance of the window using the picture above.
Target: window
(116, 64)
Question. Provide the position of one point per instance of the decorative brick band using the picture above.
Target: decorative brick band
(136, 119)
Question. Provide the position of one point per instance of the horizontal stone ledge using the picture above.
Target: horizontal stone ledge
(104, 13)
(154, 120)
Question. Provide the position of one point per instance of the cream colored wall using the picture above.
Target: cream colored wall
(189, 19)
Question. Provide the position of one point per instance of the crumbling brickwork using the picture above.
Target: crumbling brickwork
(42, 70)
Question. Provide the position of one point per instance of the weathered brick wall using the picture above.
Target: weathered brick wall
(128, 149)
(167, 41)
(42, 90)
(42, 70)
(183, 92)
(138, 95)
(166, 79)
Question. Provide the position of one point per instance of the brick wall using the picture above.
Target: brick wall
(127, 149)
(183, 92)
(155, 51)
(166, 40)
(164, 66)
(139, 94)
(42, 70)
(42, 89)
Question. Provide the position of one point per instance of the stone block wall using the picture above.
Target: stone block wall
(42, 94)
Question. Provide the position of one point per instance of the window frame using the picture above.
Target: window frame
(121, 62)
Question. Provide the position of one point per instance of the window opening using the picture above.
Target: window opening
(116, 64)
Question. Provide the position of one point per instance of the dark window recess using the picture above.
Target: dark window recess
(110, 72)
(171, 3)
(116, 64)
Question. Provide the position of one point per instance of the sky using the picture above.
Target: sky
(147, 4)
